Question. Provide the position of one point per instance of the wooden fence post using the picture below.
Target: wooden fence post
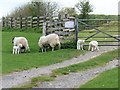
(31, 21)
(44, 32)
(38, 21)
(15, 22)
(11, 22)
(6, 22)
(26, 23)
(76, 30)
(20, 21)
(3, 21)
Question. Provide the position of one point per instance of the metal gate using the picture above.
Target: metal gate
(105, 31)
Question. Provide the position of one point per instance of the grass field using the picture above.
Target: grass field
(25, 61)
(108, 79)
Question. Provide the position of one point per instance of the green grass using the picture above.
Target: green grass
(97, 61)
(107, 79)
(42, 78)
(11, 63)
(34, 81)
(28, 30)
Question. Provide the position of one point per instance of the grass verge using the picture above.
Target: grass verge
(37, 79)
(104, 80)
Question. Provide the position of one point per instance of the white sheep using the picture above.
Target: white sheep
(51, 39)
(21, 40)
(17, 49)
(93, 45)
(80, 44)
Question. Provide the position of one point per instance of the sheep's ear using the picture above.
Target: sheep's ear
(13, 39)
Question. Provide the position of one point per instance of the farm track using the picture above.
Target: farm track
(20, 78)
(75, 80)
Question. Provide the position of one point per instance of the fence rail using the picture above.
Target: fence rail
(22, 22)
(32, 22)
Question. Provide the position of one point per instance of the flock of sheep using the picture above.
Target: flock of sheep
(20, 44)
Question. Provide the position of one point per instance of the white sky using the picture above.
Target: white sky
(100, 6)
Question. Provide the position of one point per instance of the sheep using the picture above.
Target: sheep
(21, 40)
(52, 40)
(93, 45)
(80, 44)
(17, 49)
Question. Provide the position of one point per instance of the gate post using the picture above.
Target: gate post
(44, 31)
(76, 30)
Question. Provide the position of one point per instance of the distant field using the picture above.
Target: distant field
(36, 59)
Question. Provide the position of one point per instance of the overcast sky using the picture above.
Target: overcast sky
(100, 6)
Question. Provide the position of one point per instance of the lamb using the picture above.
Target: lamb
(17, 49)
(52, 40)
(21, 40)
(80, 44)
(93, 45)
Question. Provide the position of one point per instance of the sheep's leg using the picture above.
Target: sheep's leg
(92, 49)
(97, 48)
(13, 51)
(82, 47)
(89, 48)
(18, 51)
(27, 47)
(42, 49)
(52, 48)
(59, 45)
(45, 49)
(78, 46)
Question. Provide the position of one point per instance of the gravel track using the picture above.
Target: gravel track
(75, 80)
(20, 78)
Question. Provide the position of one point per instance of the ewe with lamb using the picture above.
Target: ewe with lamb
(21, 40)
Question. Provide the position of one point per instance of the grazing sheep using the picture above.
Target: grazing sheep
(21, 40)
(17, 49)
(51, 39)
(93, 45)
(80, 44)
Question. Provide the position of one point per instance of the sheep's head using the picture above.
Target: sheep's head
(20, 45)
(13, 39)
